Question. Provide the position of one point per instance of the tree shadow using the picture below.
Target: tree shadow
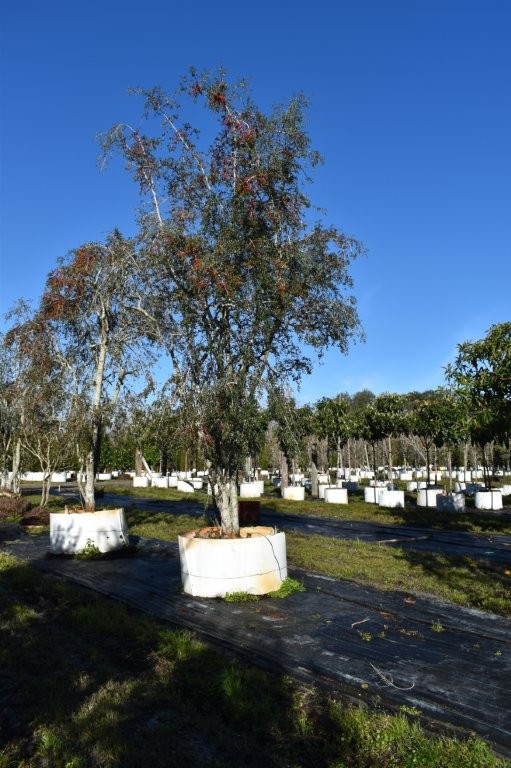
(83, 677)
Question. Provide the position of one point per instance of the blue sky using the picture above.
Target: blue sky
(410, 105)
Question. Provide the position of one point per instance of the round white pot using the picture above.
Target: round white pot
(391, 498)
(488, 500)
(426, 497)
(197, 483)
(293, 493)
(255, 563)
(336, 495)
(451, 502)
(72, 532)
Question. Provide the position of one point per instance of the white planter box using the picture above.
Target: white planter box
(104, 476)
(184, 487)
(426, 497)
(160, 482)
(336, 495)
(173, 481)
(141, 481)
(321, 489)
(506, 490)
(197, 483)
(371, 495)
(293, 493)
(415, 485)
(451, 502)
(488, 500)
(405, 476)
(391, 499)
(255, 563)
(323, 479)
(250, 490)
(59, 477)
(72, 532)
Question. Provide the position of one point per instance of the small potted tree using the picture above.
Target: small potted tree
(90, 307)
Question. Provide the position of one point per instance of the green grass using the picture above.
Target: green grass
(89, 683)
(459, 580)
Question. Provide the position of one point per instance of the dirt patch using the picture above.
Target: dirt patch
(18, 507)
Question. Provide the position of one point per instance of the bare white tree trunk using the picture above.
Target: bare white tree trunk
(93, 452)
(13, 483)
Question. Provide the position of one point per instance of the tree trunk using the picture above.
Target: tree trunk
(13, 484)
(391, 472)
(225, 494)
(139, 466)
(45, 493)
(89, 498)
(284, 471)
(314, 473)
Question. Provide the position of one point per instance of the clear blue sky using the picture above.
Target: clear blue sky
(410, 107)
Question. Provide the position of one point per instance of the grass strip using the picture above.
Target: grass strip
(459, 580)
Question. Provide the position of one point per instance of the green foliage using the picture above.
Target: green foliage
(288, 587)
(481, 376)
(241, 285)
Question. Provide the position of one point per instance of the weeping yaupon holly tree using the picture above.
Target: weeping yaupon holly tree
(242, 281)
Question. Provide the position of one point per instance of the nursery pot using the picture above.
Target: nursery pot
(488, 500)
(255, 563)
(293, 493)
(426, 497)
(72, 532)
(451, 502)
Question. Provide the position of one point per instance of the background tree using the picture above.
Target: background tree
(39, 396)
(430, 420)
(481, 376)
(384, 420)
(92, 304)
(334, 422)
(239, 278)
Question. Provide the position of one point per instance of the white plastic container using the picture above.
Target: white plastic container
(488, 500)
(336, 495)
(72, 532)
(451, 502)
(426, 497)
(255, 563)
(250, 490)
(391, 499)
(293, 493)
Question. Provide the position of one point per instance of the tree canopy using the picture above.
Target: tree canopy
(241, 283)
